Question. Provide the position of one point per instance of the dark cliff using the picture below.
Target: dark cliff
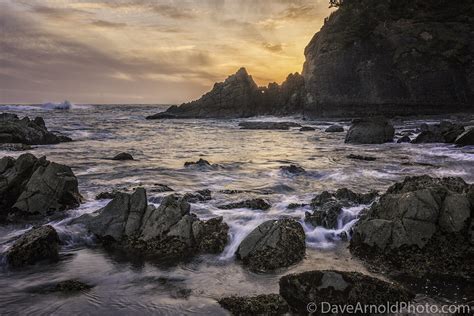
(392, 57)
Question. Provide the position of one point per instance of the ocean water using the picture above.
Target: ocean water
(249, 160)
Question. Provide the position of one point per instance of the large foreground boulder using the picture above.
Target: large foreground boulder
(444, 132)
(30, 186)
(26, 131)
(420, 225)
(370, 131)
(167, 232)
(239, 96)
(269, 304)
(38, 244)
(272, 245)
(337, 288)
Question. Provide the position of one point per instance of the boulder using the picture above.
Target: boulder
(293, 169)
(253, 204)
(239, 96)
(272, 245)
(418, 226)
(170, 231)
(267, 304)
(338, 288)
(37, 244)
(257, 125)
(327, 207)
(123, 156)
(391, 58)
(466, 138)
(444, 132)
(31, 186)
(334, 129)
(26, 131)
(370, 131)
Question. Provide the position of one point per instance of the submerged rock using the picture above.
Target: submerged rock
(334, 129)
(26, 131)
(167, 232)
(123, 156)
(268, 304)
(71, 286)
(420, 225)
(253, 204)
(293, 169)
(370, 131)
(268, 125)
(444, 132)
(466, 138)
(37, 244)
(239, 96)
(30, 186)
(360, 157)
(272, 245)
(338, 288)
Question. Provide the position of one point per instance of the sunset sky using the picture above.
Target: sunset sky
(147, 51)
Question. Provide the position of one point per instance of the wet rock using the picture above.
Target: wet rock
(30, 186)
(239, 96)
(327, 206)
(106, 195)
(444, 132)
(272, 245)
(404, 139)
(334, 129)
(38, 244)
(307, 129)
(200, 164)
(123, 156)
(71, 286)
(466, 138)
(419, 226)
(169, 232)
(198, 196)
(370, 131)
(253, 204)
(26, 131)
(269, 304)
(338, 288)
(360, 157)
(15, 147)
(268, 125)
(293, 169)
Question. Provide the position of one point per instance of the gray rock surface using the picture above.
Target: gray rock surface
(419, 225)
(167, 232)
(272, 245)
(338, 288)
(370, 131)
(26, 131)
(37, 244)
(31, 186)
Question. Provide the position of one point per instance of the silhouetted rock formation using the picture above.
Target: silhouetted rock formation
(239, 96)
(392, 57)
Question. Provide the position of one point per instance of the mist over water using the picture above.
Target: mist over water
(248, 160)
